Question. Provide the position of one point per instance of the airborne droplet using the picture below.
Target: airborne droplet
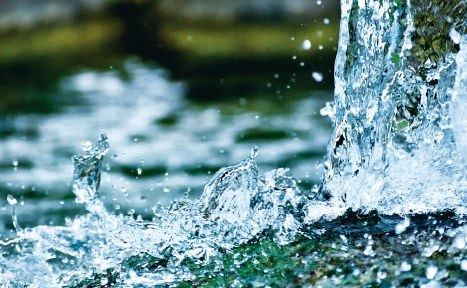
(254, 151)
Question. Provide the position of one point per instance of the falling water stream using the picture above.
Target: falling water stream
(389, 211)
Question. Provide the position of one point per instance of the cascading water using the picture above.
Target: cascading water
(393, 147)
(398, 148)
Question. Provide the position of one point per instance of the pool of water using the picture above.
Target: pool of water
(163, 144)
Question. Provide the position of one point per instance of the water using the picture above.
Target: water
(389, 211)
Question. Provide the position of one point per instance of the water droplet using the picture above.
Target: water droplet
(319, 33)
(140, 171)
(302, 63)
(455, 36)
(294, 57)
(320, 47)
(405, 266)
(431, 272)
(293, 38)
(142, 160)
(15, 163)
(166, 189)
(318, 77)
(11, 199)
(117, 207)
(276, 76)
(86, 145)
(464, 265)
(306, 45)
(123, 189)
(254, 151)
(115, 156)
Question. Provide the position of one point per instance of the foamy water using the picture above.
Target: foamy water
(397, 148)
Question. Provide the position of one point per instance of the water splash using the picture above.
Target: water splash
(398, 148)
(87, 174)
(237, 205)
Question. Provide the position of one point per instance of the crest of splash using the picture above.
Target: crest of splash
(399, 110)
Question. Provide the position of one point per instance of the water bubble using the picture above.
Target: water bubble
(254, 151)
(139, 170)
(306, 45)
(123, 189)
(294, 57)
(318, 77)
(293, 38)
(142, 160)
(117, 207)
(319, 33)
(11, 199)
(302, 63)
(15, 163)
(320, 47)
(326, 21)
(318, 2)
(166, 189)
(242, 102)
(276, 76)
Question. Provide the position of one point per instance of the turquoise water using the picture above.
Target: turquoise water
(388, 211)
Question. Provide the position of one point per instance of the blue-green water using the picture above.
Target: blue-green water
(388, 211)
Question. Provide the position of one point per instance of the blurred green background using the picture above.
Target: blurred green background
(242, 42)
(181, 87)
